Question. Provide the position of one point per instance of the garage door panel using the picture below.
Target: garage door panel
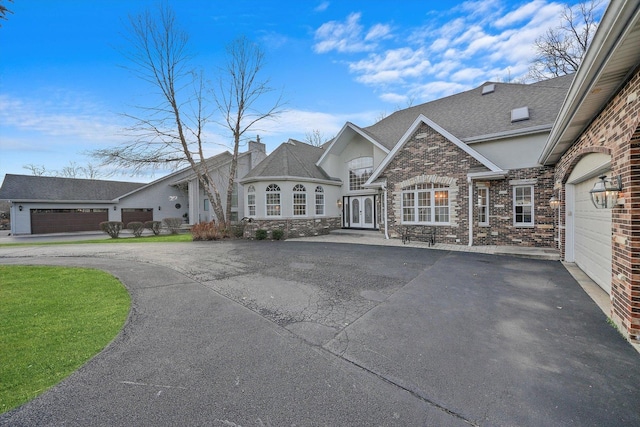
(45, 221)
(592, 237)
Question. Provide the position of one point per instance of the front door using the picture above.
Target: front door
(361, 212)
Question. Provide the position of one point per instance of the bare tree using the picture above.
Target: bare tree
(36, 170)
(171, 132)
(239, 89)
(315, 138)
(4, 11)
(72, 170)
(560, 50)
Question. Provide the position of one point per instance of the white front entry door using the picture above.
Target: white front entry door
(361, 212)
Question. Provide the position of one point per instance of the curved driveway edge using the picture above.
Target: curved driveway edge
(275, 333)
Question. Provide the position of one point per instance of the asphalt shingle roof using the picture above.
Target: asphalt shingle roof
(292, 158)
(29, 187)
(470, 114)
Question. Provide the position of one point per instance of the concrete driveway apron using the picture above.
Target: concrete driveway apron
(297, 333)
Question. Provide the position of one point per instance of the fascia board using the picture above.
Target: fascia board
(403, 140)
(98, 202)
(509, 134)
(289, 178)
(614, 24)
(357, 130)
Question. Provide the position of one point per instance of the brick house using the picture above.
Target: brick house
(597, 133)
(414, 170)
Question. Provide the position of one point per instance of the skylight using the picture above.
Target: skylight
(519, 114)
(488, 89)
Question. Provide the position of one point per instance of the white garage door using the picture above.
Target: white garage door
(592, 236)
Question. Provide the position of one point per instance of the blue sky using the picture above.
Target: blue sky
(63, 88)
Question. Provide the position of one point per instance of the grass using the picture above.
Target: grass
(144, 239)
(54, 319)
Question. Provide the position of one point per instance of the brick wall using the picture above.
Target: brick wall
(428, 157)
(616, 131)
(299, 227)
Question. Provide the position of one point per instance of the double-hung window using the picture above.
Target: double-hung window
(273, 200)
(523, 205)
(483, 206)
(299, 200)
(425, 204)
(319, 200)
(251, 200)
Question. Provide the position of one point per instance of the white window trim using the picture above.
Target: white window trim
(266, 204)
(432, 191)
(316, 204)
(533, 204)
(294, 204)
(251, 191)
(486, 204)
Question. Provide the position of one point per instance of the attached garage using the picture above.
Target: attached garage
(136, 214)
(66, 220)
(589, 242)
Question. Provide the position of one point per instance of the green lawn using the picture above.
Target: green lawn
(53, 319)
(143, 239)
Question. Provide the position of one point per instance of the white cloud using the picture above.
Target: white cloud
(392, 67)
(349, 36)
(524, 12)
(394, 98)
(322, 6)
(78, 120)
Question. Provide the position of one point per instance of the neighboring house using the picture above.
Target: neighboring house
(598, 133)
(41, 204)
(413, 172)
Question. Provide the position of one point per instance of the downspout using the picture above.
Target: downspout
(386, 219)
(470, 181)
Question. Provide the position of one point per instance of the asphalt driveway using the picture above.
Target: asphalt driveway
(302, 333)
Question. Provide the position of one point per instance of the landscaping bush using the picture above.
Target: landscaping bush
(206, 231)
(238, 231)
(261, 234)
(173, 224)
(154, 226)
(277, 234)
(136, 228)
(112, 228)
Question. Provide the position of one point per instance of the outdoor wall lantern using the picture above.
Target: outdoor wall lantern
(339, 203)
(554, 202)
(20, 208)
(604, 193)
(159, 208)
(115, 208)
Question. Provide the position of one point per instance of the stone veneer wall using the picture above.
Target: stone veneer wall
(616, 131)
(428, 157)
(298, 227)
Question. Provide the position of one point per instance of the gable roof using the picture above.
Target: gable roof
(350, 127)
(473, 117)
(292, 159)
(50, 188)
(607, 64)
(412, 129)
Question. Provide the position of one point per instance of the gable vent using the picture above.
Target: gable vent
(488, 89)
(519, 114)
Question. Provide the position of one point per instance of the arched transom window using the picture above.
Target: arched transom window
(273, 200)
(360, 170)
(299, 200)
(319, 200)
(251, 200)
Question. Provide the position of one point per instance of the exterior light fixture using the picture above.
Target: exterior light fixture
(114, 207)
(159, 208)
(339, 203)
(20, 208)
(554, 202)
(604, 194)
